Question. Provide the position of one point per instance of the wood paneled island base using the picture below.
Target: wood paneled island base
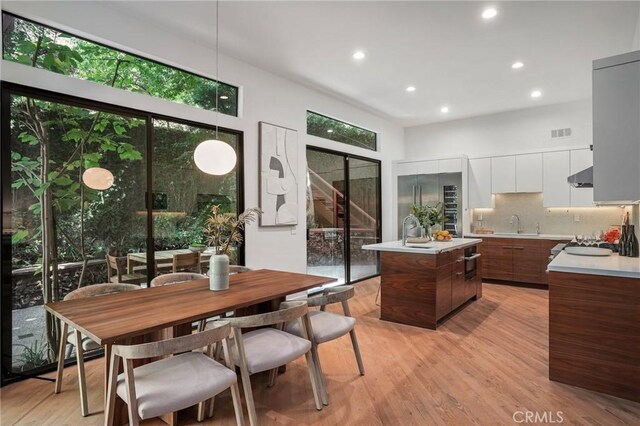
(421, 289)
(594, 333)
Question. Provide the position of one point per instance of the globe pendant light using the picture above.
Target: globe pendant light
(98, 178)
(214, 156)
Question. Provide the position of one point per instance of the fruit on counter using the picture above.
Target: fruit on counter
(442, 236)
(612, 235)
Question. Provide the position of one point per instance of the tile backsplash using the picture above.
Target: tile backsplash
(528, 206)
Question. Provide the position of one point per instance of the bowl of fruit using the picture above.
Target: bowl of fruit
(442, 236)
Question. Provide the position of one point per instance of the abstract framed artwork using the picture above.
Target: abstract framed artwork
(279, 180)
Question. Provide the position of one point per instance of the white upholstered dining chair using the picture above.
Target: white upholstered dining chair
(82, 343)
(327, 326)
(266, 349)
(173, 383)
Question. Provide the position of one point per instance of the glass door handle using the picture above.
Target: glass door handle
(414, 194)
(420, 195)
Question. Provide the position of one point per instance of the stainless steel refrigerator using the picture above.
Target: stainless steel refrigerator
(429, 189)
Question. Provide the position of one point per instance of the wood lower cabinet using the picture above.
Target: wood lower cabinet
(594, 333)
(458, 293)
(497, 259)
(521, 260)
(421, 289)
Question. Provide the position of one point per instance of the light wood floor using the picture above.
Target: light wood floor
(480, 367)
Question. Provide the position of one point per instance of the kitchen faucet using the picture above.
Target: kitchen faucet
(518, 230)
(404, 227)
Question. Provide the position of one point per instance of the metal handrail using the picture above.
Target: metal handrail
(336, 192)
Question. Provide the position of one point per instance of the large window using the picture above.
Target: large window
(57, 231)
(330, 128)
(38, 46)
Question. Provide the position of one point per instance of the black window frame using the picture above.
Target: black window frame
(7, 90)
(237, 103)
(375, 143)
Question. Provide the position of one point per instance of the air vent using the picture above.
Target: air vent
(561, 133)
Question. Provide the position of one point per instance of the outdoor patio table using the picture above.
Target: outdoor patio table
(143, 314)
(162, 258)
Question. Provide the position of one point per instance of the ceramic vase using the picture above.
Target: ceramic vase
(219, 272)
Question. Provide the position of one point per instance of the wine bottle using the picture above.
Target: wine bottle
(632, 242)
(622, 244)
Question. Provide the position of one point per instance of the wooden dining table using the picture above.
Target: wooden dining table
(143, 314)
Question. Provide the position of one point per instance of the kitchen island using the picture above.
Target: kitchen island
(594, 323)
(421, 284)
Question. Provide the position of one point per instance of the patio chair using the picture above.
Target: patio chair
(328, 326)
(172, 383)
(266, 349)
(187, 262)
(117, 264)
(80, 342)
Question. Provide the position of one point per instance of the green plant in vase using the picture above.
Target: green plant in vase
(224, 231)
(428, 216)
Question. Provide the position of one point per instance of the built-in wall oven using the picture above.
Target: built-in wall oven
(471, 262)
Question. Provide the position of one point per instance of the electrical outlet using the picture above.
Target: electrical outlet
(576, 218)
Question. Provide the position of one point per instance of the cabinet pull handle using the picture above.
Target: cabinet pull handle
(519, 248)
(458, 273)
(460, 260)
(507, 247)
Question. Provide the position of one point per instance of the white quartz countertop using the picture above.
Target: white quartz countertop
(613, 266)
(559, 237)
(433, 247)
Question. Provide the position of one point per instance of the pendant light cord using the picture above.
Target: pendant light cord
(217, 63)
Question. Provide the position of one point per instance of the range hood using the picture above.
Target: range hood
(582, 179)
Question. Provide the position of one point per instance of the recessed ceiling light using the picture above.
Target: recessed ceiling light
(444, 109)
(517, 65)
(330, 131)
(225, 97)
(410, 89)
(489, 13)
(359, 55)
(536, 94)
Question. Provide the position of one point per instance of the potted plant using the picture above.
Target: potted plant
(428, 216)
(197, 247)
(222, 231)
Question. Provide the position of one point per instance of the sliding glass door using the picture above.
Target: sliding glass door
(60, 220)
(78, 180)
(343, 213)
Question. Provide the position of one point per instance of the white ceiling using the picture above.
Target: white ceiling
(445, 49)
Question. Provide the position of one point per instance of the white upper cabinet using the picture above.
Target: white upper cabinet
(503, 174)
(556, 168)
(529, 173)
(451, 165)
(407, 168)
(479, 188)
(429, 167)
(580, 160)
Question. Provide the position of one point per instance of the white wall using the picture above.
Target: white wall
(504, 133)
(265, 97)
